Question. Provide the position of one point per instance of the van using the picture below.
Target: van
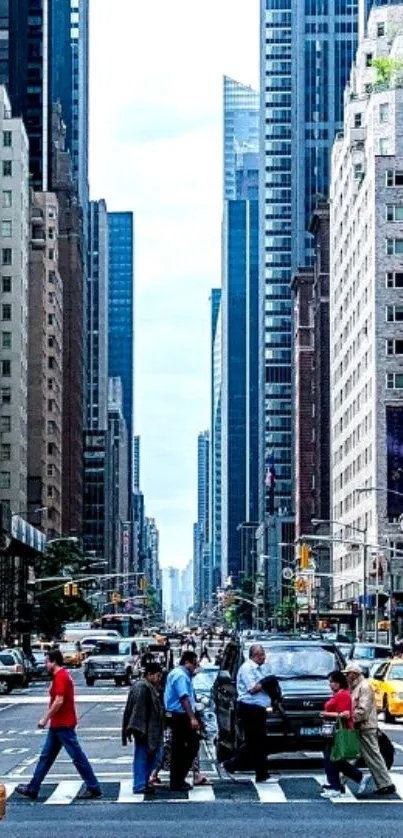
(74, 635)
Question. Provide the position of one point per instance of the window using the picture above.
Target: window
(52, 212)
(5, 423)
(394, 381)
(6, 340)
(394, 177)
(51, 232)
(7, 198)
(6, 284)
(51, 319)
(6, 256)
(394, 246)
(50, 491)
(394, 347)
(6, 229)
(384, 146)
(7, 168)
(6, 311)
(357, 120)
(394, 279)
(358, 171)
(50, 383)
(6, 369)
(5, 479)
(51, 254)
(368, 59)
(52, 277)
(7, 139)
(51, 363)
(51, 448)
(5, 395)
(380, 29)
(384, 112)
(394, 212)
(5, 451)
(394, 314)
(51, 342)
(50, 470)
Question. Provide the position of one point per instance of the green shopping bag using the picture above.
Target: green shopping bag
(346, 743)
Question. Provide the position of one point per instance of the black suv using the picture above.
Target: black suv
(302, 667)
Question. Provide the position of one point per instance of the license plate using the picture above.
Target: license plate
(310, 731)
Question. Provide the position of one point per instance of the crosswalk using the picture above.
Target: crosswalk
(295, 789)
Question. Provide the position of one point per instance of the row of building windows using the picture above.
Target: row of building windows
(353, 439)
(361, 399)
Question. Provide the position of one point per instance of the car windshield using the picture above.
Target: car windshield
(204, 679)
(120, 648)
(396, 672)
(369, 653)
(299, 661)
(39, 657)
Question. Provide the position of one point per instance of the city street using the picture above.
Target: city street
(230, 804)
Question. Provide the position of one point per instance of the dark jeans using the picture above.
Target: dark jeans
(144, 763)
(334, 769)
(185, 745)
(253, 753)
(58, 738)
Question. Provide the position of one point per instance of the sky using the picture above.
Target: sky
(156, 72)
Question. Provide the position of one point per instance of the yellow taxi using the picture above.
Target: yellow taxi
(71, 655)
(387, 682)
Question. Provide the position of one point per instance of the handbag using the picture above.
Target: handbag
(346, 743)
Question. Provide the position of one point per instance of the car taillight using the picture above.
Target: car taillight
(19, 668)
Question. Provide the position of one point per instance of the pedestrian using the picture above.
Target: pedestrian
(180, 703)
(61, 734)
(365, 717)
(143, 720)
(253, 702)
(340, 703)
(205, 654)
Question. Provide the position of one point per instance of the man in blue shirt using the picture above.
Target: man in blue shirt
(253, 702)
(180, 702)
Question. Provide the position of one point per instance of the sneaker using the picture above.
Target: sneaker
(89, 794)
(362, 786)
(391, 789)
(329, 794)
(326, 787)
(25, 791)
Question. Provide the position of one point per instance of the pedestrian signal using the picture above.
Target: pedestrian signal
(67, 589)
(74, 589)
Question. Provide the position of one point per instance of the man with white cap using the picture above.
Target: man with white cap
(365, 718)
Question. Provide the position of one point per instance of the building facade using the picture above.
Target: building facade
(121, 312)
(119, 482)
(14, 258)
(45, 367)
(201, 540)
(241, 128)
(215, 452)
(97, 317)
(366, 298)
(306, 54)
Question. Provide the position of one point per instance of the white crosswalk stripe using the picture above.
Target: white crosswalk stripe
(65, 793)
(270, 792)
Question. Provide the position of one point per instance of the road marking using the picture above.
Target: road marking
(270, 792)
(9, 751)
(201, 794)
(10, 787)
(80, 699)
(126, 794)
(65, 793)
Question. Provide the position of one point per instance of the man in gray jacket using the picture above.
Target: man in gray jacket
(143, 719)
(365, 717)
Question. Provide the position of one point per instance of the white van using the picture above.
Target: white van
(74, 635)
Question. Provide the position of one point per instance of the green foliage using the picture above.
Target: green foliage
(53, 608)
(284, 612)
(385, 67)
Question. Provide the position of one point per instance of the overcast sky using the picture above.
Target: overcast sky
(156, 148)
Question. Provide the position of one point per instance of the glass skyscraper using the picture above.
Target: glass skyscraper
(306, 55)
(121, 310)
(241, 128)
(215, 445)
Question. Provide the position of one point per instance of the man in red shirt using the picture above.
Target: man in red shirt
(62, 733)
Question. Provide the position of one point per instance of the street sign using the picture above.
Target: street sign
(288, 573)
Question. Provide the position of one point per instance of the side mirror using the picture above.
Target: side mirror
(223, 678)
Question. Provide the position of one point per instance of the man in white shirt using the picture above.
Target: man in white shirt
(253, 702)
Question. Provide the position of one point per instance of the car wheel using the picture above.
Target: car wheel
(5, 686)
(90, 682)
(128, 678)
(119, 682)
(389, 719)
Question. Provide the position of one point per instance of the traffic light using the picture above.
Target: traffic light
(74, 589)
(143, 583)
(67, 589)
(304, 557)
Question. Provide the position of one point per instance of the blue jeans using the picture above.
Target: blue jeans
(334, 769)
(58, 738)
(144, 763)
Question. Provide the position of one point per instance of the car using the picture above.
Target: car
(7, 680)
(39, 670)
(72, 655)
(367, 654)
(12, 664)
(302, 667)
(112, 660)
(203, 684)
(21, 658)
(387, 682)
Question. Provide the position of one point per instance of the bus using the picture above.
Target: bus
(128, 625)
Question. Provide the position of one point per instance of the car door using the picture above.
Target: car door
(225, 694)
(378, 684)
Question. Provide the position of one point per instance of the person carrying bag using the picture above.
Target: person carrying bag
(346, 742)
(341, 745)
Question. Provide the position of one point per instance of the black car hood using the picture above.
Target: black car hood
(305, 686)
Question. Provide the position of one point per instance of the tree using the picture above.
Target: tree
(52, 607)
(285, 612)
(385, 68)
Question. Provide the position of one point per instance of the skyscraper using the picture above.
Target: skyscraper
(241, 127)
(215, 450)
(306, 54)
(121, 311)
(201, 557)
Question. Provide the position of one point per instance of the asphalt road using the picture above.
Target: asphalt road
(289, 803)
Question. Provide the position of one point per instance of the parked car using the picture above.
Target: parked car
(203, 683)
(111, 660)
(21, 658)
(12, 663)
(39, 671)
(7, 680)
(367, 654)
(387, 683)
(302, 666)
